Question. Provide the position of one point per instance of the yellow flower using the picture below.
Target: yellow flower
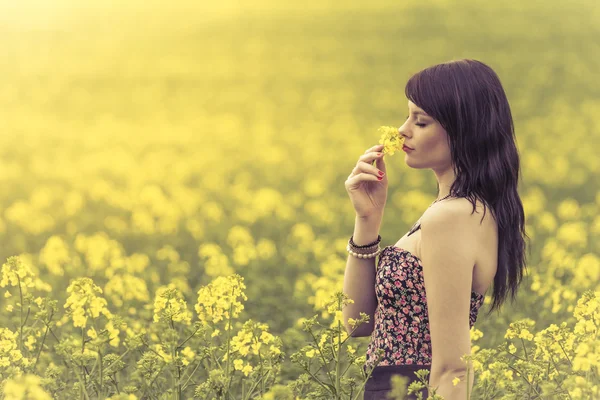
(241, 342)
(15, 272)
(476, 334)
(84, 301)
(169, 305)
(266, 337)
(455, 381)
(30, 342)
(10, 355)
(215, 263)
(188, 353)
(247, 369)
(485, 375)
(215, 299)
(238, 364)
(113, 334)
(26, 386)
(310, 353)
(390, 139)
(55, 255)
(525, 334)
(124, 287)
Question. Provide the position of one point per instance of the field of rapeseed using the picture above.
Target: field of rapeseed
(173, 216)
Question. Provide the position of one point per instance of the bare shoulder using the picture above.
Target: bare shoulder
(454, 224)
(457, 211)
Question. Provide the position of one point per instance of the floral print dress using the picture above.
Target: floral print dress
(401, 326)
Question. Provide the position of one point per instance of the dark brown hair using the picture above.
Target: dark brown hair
(467, 99)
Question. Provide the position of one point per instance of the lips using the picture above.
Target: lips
(410, 148)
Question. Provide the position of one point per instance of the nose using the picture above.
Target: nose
(402, 131)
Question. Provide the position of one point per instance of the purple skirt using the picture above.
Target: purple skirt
(379, 385)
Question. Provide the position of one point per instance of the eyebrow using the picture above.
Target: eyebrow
(421, 112)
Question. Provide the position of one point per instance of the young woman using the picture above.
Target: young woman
(424, 293)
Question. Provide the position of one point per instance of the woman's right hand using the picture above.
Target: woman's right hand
(368, 193)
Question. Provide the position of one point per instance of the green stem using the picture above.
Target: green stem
(82, 351)
(228, 345)
(41, 346)
(262, 386)
(21, 312)
(251, 390)
(563, 349)
(337, 356)
(174, 353)
(152, 350)
(188, 338)
(101, 374)
(559, 383)
(115, 383)
(524, 349)
(524, 378)
(326, 386)
(82, 384)
(120, 357)
(468, 382)
(192, 374)
(364, 383)
(322, 355)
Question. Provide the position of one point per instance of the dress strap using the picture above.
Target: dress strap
(414, 229)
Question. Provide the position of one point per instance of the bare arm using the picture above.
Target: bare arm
(359, 277)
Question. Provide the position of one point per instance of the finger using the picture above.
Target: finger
(362, 177)
(377, 147)
(363, 166)
(380, 164)
(370, 157)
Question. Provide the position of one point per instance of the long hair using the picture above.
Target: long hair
(467, 99)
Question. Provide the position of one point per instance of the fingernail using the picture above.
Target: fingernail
(378, 154)
(379, 178)
(381, 173)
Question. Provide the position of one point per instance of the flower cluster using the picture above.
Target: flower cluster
(85, 301)
(390, 139)
(15, 272)
(169, 305)
(11, 358)
(25, 387)
(249, 341)
(218, 298)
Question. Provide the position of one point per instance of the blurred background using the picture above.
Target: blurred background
(180, 141)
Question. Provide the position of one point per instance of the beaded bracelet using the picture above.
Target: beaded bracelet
(370, 250)
(365, 245)
(360, 255)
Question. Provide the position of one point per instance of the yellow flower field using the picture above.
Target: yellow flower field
(173, 216)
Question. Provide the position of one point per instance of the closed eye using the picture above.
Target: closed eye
(419, 125)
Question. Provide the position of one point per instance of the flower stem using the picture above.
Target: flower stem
(337, 356)
(321, 353)
(21, 312)
(41, 346)
(179, 346)
(566, 356)
(228, 345)
(192, 374)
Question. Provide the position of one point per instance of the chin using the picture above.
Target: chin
(410, 162)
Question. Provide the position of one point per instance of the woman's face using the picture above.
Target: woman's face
(428, 139)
